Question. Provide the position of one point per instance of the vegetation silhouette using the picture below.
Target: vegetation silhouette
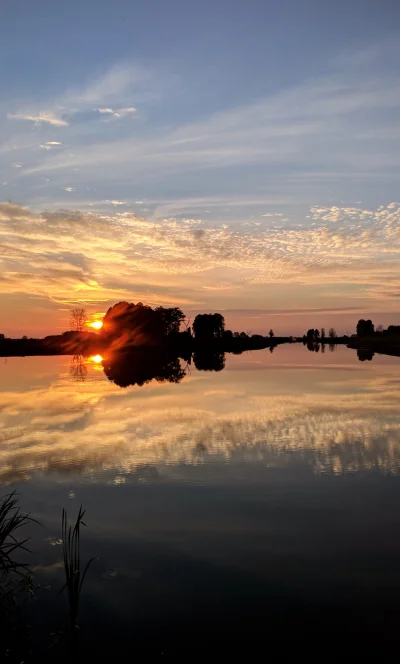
(129, 326)
(208, 327)
(77, 319)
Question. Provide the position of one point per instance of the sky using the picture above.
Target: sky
(240, 157)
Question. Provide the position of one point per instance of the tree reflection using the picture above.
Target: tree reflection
(205, 360)
(136, 368)
(364, 354)
(77, 368)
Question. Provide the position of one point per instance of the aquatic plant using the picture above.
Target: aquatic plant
(74, 576)
(11, 519)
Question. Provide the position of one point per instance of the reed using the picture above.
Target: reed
(11, 519)
(74, 575)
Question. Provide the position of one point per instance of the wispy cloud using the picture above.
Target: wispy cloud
(117, 113)
(303, 142)
(45, 117)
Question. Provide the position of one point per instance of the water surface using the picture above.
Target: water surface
(230, 508)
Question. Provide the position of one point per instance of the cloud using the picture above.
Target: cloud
(50, 145)
(69, 189)
(71, 256)
(117, 113)
(46, 117)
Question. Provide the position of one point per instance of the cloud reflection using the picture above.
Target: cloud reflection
(90, 428)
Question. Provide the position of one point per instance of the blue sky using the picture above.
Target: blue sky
(238, 154)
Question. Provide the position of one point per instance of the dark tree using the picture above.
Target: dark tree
(138, 324)
(2, 337)
(393, 330)
(379, 328)
(170, 319)
(77, 319)
(128, 324)
(365, 328)
(207, 327)
(316, 335)
(271, 333)
(332, 333)
(323, 335)
(310, 335)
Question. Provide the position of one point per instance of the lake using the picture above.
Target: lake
(249, 508)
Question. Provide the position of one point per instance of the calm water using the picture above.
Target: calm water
(234, 509)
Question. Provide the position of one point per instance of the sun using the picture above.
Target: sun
(97, 324)
(96, 359)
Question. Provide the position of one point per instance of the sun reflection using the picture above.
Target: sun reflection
(96, 359)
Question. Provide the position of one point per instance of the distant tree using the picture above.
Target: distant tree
(271, 333)
(24, 338)
(77, 319)
(332, 333)
(323, 335)
(207, 327)
(316, 335)
(365, 328)
(310, 335)
(2, 337)
(379, 328)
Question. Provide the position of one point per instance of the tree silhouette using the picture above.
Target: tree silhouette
(207, 327)
(271, 333)
(132, 324)
(365, 328)
(77, 319)
(170, 319)
(332, 333)
(323, 333)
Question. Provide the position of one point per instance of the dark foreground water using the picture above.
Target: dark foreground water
(255, 509)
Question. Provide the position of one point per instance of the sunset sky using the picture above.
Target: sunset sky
(240, 157)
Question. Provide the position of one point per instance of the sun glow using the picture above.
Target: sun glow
(96, 324)
(96, 359)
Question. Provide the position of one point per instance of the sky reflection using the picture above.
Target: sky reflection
(328, 413)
